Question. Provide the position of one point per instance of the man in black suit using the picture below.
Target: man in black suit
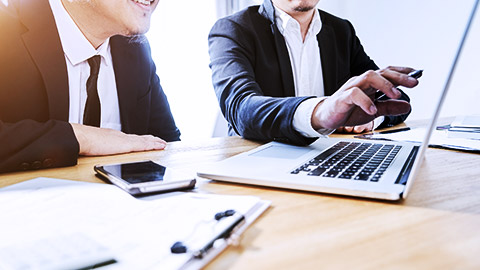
(286, 71)
(47, 54)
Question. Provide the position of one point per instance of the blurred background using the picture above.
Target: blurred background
(423, 34)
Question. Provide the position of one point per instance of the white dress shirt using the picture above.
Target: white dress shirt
(306, 68)
(78, 50)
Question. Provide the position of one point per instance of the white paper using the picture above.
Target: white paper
(439, 138)
(138, 232)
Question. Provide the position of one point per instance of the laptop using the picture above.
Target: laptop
(362, 168)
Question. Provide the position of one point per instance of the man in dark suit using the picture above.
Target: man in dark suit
(286, 71)
(43, 91)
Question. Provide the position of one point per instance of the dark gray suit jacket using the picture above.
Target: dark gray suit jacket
(252, 74)
(34, 95)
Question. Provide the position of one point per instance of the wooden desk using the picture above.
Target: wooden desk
(437, 226)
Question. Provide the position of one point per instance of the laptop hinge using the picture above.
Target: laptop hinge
(407, 167)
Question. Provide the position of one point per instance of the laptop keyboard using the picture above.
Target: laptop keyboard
(352, 160)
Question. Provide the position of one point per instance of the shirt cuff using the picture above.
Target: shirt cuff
(378, 121)
(302, 119)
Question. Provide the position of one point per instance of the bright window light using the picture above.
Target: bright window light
(178, 37)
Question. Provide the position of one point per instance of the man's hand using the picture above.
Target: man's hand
(356, 129)
(354, 103)
(102, 141)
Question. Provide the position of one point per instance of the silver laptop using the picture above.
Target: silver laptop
(364, 168)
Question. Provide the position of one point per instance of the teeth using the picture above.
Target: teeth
(144, 2)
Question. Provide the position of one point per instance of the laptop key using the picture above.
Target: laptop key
(330, 174)
(363, 177)
(359, 161)
(317, 171)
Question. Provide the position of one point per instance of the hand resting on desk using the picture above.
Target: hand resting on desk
(95, 141)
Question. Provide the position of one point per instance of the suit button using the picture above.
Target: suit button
(47, 163)
(25, 166)
(36, 165)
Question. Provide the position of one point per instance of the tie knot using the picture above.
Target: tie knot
(94, 63)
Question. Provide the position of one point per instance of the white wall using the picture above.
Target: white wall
(423, 34)
(178, 37)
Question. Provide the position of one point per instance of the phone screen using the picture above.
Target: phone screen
(139, 172)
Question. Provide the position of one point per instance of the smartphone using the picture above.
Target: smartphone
(144, 177)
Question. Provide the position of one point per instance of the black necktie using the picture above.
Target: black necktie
(91, 115)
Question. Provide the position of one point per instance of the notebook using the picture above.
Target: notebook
(373, 169)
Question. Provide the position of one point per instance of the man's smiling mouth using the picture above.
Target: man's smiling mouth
(144, 2)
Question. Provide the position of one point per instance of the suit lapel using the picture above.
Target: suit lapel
(43, 43)
(284, 61)
(281, 48)
(326, 43)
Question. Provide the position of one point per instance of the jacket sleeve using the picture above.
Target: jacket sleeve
(162, 123)
(28, 145)
(249, 112)
(144, 107)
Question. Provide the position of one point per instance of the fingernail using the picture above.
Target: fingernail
(411, 80)
(396, 91)
(373, 109)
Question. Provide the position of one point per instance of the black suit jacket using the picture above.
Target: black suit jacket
(252, 74)
(34, 95)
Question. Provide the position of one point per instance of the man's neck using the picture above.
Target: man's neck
(304, 18)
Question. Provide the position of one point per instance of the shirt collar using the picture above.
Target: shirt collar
(285, 21)
(75, 45)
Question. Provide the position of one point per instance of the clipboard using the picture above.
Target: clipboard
(137, 233)
(220, 244)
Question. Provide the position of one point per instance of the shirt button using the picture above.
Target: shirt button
(24, 166)
(47, 163)
(36, 165)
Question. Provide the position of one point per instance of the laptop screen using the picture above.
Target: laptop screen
(433, 122)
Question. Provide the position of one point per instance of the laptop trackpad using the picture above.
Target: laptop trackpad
(287, 152)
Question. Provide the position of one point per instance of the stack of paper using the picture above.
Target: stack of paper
(467, 127)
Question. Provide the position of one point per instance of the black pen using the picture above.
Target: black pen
(394, 130)
(237, 221)
(414, 74)
(230, 223)
(371, 134)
